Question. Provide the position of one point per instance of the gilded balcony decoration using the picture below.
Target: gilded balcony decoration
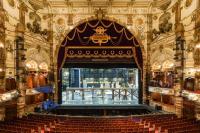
(191, 96)
(8, 96)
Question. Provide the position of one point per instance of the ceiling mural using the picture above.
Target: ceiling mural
(34, 25)
(164, 25)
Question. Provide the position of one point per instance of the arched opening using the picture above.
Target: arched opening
(100, 62)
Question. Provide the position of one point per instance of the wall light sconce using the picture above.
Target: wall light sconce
(1, 45)
(1, 69)
(197, 45)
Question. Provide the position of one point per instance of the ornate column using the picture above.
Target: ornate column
(179, 58)
(196, 55)
(2, 56)
(2, 47)
(20, 60)
(148, 65)
(50, 40)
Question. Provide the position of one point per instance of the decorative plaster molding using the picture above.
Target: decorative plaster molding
(8, 96)
(165, 91)
(191, 96)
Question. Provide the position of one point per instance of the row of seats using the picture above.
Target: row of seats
(37, 123)
(169, 123)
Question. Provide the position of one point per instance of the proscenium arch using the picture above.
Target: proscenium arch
(121, 40)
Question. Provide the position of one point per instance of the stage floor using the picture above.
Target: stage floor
(107, 106)
(102, 110)
(97, 97)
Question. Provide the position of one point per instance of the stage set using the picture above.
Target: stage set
(100, 65)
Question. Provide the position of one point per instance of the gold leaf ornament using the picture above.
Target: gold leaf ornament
(11, 3)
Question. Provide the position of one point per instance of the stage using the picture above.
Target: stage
(103, 110)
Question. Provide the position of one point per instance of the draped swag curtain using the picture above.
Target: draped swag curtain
(119, 37)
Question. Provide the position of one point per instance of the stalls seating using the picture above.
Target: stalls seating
(39, 123)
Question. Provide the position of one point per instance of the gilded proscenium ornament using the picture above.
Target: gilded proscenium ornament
(129, 19)
(99, 53)
(100, 13)
(100, 36)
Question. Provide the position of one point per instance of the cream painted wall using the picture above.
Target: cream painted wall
(187, 11)
(11, 11)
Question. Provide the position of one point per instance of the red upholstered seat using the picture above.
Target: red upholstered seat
(141, 124)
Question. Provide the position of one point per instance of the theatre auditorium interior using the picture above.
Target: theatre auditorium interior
(99, 66)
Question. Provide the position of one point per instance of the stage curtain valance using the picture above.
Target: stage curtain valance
(109, 33)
